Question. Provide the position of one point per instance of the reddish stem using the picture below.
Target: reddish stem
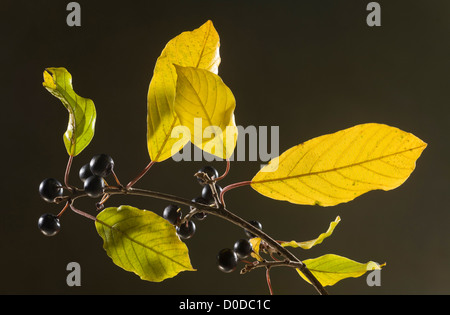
(63, 209)
(116, 178)
(84, 214)
(232, 186)
(268, 281)
(226, 171)
(141, 174)
(66, 174)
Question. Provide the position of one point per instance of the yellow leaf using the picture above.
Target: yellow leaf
(256, 242)
(205, 105)
(198, 48)
(339, 167)
(316, 241)
(329, 269)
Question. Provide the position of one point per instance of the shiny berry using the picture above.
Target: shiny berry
(85, 172)
(101, 165)
(186, 230)
(94, 186)
(227, 260)
(172, 213)
(49, 224)
(242, 248)
(50, 188)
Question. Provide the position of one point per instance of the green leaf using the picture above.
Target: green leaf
(316, 241)
(82, 114)
(329, 269)
(142, 242)
(204, 104)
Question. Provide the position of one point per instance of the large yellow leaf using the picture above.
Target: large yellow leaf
(204, 104)
(339, 167)
(329, 269)
(198, 48)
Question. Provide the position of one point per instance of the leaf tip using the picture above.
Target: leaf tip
(49, 81)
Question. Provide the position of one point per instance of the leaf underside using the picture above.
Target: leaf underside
(198, 48)
(82, 113)
(339, 167)
(142, 242)
(330, 269)
(204, 104)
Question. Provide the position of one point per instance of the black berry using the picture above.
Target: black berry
(199, 215)
(227, 260)
(242, 248)
(49, 224)
(255, 224)
(94, 186)
(172, 213)
(207, 193)
(210, 171)
(85, 172)
(101, 165)
(186, 230)
(50, 188)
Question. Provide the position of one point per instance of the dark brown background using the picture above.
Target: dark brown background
(310, 67)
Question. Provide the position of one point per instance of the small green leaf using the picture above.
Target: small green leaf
(329, 269)
(142, 242)
(82, 114)
(316, 241)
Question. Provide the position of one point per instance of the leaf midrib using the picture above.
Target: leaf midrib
(334, 169)
(141, 244)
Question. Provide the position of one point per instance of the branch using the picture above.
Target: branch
(223, 213)
(269, 264)
(216, 210)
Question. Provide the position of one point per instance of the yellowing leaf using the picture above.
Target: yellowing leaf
(198, 48)
(82, 113)
(339, 167)
(316, 241)
(256, 242)
(142, 242)
(329, 269)
(204, 103)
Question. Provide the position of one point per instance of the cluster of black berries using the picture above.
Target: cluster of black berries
(227, 258)
(92, 174)
(50, 189)
(173, 213)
